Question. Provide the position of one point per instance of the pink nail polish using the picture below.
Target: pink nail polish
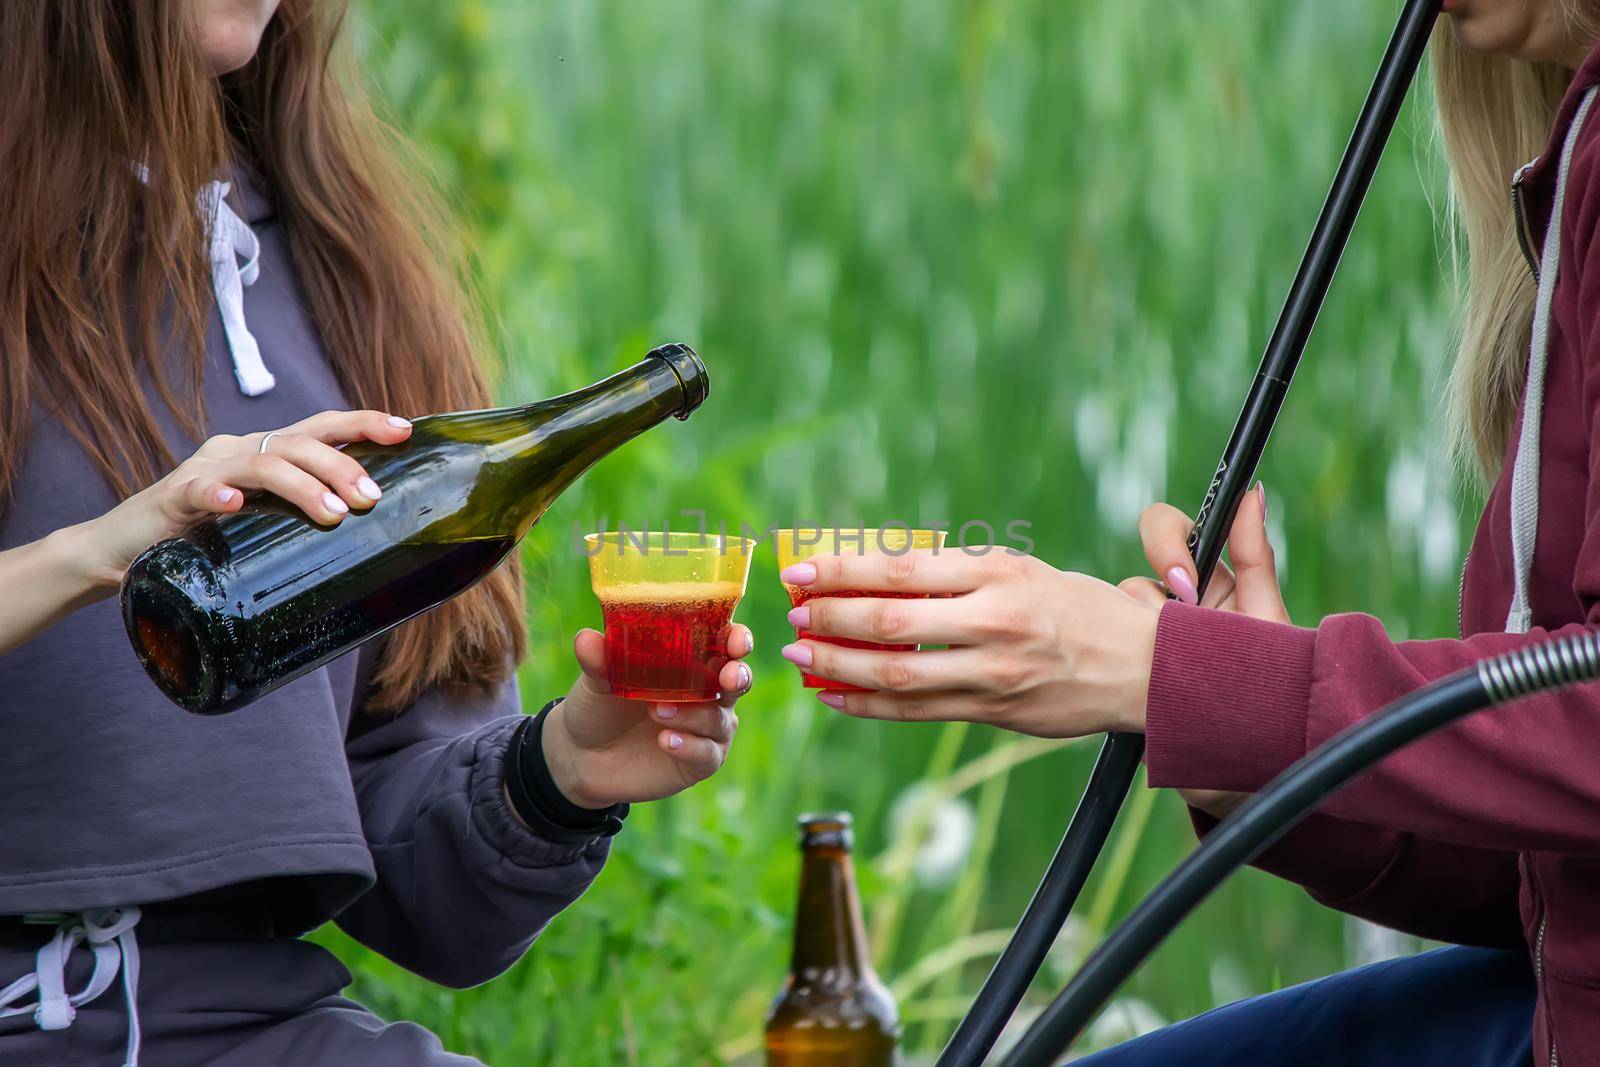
(224, 496)
(797, 654)
(800, 617)
(674, 742)
(1262, 489)
(1179, 582)
(745, 678)
(334, 504)
(799, 574)
(833, 700)
(666, 711)
(368, 488)
(397, 421)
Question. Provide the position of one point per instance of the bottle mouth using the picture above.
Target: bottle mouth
(826, 828)
(691, 372)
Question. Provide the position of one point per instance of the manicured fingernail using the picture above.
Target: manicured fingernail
(674, 742)
(800, 617)
(1262, 489)
(797, 654)
(1179, 582)
(799, 574)
(666, 711)
(224, 496)
(745, 678)
(833, 700)
(368, 488)
(334, 504)
(396, 420)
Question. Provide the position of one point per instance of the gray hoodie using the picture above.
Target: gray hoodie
(395, 826)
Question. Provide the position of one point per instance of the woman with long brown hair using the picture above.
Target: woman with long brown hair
(208, 254)
(1486, 834)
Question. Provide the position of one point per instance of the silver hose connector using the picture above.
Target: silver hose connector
(1549, 665)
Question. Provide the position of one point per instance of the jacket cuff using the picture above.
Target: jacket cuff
(520, 842)
(1228, 699)
(536, 797)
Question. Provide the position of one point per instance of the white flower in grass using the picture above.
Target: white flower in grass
(1126, 1019)
(1228, 980)
(1068, 950)
(731, 800)
(945, 838)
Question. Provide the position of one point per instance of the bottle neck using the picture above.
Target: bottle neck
(828, 932)
(596, 418)
(537, 450)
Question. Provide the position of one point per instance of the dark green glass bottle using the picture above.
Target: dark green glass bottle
(241, 604)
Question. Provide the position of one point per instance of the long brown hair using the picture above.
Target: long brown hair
(102, 276)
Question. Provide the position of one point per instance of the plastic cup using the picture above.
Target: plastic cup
(797, 546)
(667, 600)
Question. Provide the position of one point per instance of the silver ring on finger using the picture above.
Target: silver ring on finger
(267, 440)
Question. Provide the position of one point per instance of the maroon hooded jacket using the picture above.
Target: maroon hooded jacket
(1487, 832)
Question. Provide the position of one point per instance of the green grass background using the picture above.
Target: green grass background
(946, 260)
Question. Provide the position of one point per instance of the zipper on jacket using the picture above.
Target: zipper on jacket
(1461, 595)
(1538, 978)
(1519, 210)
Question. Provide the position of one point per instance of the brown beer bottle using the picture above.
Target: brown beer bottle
(833, 1009)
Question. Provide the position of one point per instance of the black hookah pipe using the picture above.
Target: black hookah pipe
(1119, 758)
(1286, 800)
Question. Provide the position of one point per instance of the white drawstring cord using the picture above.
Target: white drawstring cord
(231, 237)
(1525, 468)
(109, 934)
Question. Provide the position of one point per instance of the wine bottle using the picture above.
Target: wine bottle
(241, 604)
(833, 1009)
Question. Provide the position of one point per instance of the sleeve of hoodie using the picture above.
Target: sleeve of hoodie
(463, 886)
(1406, 882)
(1235, 700)
(1525, 776)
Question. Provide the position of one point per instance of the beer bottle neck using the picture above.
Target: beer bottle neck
(828, 932)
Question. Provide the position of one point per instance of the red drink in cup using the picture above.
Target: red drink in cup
(796, 546)
(669, 641)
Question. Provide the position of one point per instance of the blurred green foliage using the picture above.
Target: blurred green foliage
(947, 260)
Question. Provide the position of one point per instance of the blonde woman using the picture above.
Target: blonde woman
(1486, 834)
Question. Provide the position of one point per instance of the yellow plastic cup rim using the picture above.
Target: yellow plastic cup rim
(627, 558)
(794, 546)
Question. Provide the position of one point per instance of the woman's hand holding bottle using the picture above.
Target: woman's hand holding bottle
(78, 565)
(301, 464)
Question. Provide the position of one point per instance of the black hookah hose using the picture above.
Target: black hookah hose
(1118, 762)
(1286, 800)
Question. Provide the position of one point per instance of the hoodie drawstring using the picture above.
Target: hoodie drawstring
(230, 237)
(1525, 468)
(109, 935)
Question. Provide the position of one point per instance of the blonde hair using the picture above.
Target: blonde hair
(1495, 114)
